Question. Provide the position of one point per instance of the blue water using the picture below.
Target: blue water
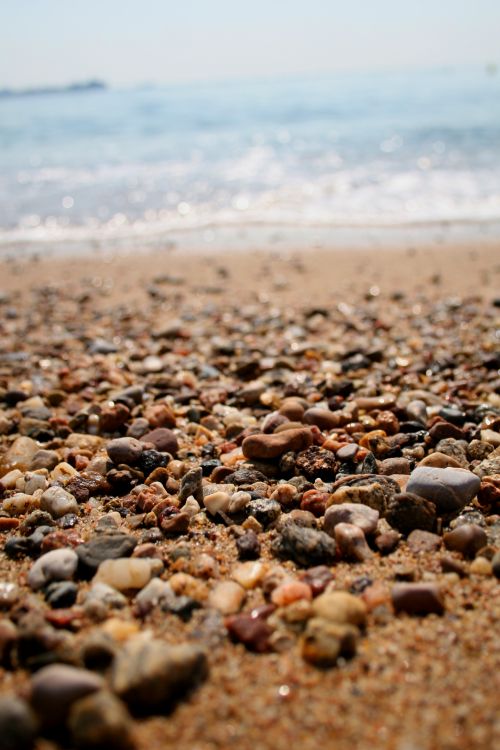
(340, 150)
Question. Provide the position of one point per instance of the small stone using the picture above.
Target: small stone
(150, 674)
(104, 547)
(322, 418)
(442, 430)
(417, 598)
(163, 439)
(359, 515)
(317, 578)
(406, 512)
(155, 593)
(467, 539)
(253, 631)
(423, 541)
(305, 546)
(57, 565)
(239, 501)
(371, 495)
(61, 594)
(217, 501)
(264, 510)
(191, 485)
(449, 489)
(439, 461)
(291, 591)
(19, 455)
(249, 574)
(18, 726)
(44, 459)
(351, 542)
(58, 502)
(324, 642)
(387, 542)
(9, 594)
(340, 607)
(450, 565)
(124, 573)
(481, 567)
(495, 565)
(100, 721)
(263, 446)
(19, 504)
(56, 687)
(227, 597)
(107, 595)
(248, 546)
(125, 450)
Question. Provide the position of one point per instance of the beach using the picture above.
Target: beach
(184, 426)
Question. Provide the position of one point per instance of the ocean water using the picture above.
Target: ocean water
(344, 150)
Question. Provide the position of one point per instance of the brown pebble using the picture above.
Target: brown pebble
(272, 446)
(417, 598)
(423, 541)
(467, 539)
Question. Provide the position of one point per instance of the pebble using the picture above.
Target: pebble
(57, 565)
(495, 565)
(340, 607)
(467, 539)
(291, 591)
(163, 439)
(248, 546)
(19, 455)
(418, 598)
(104, 547)
(449, 489)
(272, 446)
(20, 503)
(481, 566)
(407, 511)
(216, 502)
(325, 641)
(305, 546)
(439, 461)
(9, 594)
(351, 542)
(99, 721)
(61, 594)
(125, 450)
(227, 597)
(18, 725)
(56, 687)
(156, 593)
(253, 631)
(264, 510)
(58, 502)
(322, 418)
(423, 541)
(124, 573)
(249, 574)
(371, 495)
(359, 515)
(149, 674)
(105, 594)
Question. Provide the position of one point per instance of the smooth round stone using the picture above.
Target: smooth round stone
(106, 595)
(149, 674)
(439, 461)
(19, 504)
(18, 726)
(347, 452)
(340, 607)
(9, 594)
(369, 403)
(58, 502)
(100, 720)
(325, 641)
(163, 439)
(156, 593)
(126, 450)
(322, 418)
(9, 480)
(19, 455)
(418, 598)
(449, 489)
(104, 547)
(227, 597)
(262, 446)
(351, 542)
(56, 687)
(359, 515)
(467, 539)
(217, 501)
(56, 565)
(124, 573)
(249, 574)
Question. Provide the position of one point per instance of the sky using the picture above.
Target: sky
(129, 42)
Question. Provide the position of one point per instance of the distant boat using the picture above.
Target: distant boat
(72, 88)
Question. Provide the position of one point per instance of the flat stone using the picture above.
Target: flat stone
(305, 546)
(18, 725)
(450, 489)
(56, 565)
(58, 502)
(104, 547)
(56, 687)
(372, 495)
(325, 641)
(322, 418)
(100, 720)
(125, 450)
(263, 446)
(340, 607)
(407, 511)
(124, 573)
(418, 598)
(19, 455)
(468, 539)
(357, 514)
(149, 674)
(423, 541)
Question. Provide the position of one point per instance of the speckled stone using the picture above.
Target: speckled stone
(449, 489)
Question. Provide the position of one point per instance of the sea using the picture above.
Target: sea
(347, 151)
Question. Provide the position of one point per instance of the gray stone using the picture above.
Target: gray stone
(351, 542)
(305, 546)
(56, 565)
(100, 720)
(155, 593)
(58, 502)
(125, 450)
(449, 489)
(104, 547)
(191, 484)
(18, 726)
(55, 688)
(407, 511)
(359, 515)
(149, 674)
